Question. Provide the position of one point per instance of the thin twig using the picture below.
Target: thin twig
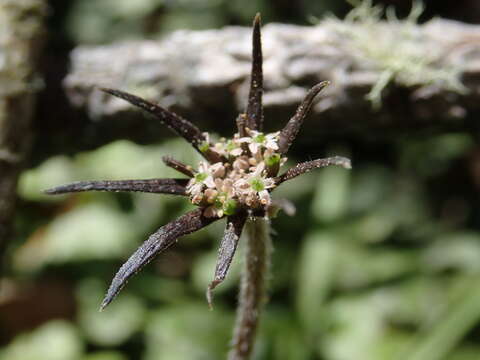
(252, 288)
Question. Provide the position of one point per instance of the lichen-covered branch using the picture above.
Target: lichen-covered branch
(252, 288)
(204, 79)
(21, 37)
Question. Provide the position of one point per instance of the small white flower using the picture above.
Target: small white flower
(269, 183)
(258, 170)
(210, 195)
(271, 140)
(258, 140)
(208, 172)
(218, 184)
(203, 167)
(254, 147)
(194, 187)
(228, 188)
(217, 170)
(268, 153)
(264, 197)
(197, 199)
(236, 152)
(246, 139)
(233, 147)
(209, 182)
(241, 163)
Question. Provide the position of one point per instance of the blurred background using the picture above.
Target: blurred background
(381, 262)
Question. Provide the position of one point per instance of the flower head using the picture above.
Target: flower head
(233, 181)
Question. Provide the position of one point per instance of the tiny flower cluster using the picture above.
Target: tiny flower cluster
(243, 177)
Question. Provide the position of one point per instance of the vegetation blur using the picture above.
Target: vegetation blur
(381, 262)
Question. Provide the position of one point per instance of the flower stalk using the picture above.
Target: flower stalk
(252, 288)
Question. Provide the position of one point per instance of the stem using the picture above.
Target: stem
(252, 288)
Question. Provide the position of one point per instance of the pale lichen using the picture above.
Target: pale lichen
(399, 49)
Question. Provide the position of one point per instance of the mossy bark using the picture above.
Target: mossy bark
(21, 39)
(204, 75)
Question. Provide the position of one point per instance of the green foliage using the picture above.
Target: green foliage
(187, 331)
(124, 319)
(55, 340)
(99, 21)
(370, 271)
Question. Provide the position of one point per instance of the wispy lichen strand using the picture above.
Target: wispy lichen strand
(398, 48)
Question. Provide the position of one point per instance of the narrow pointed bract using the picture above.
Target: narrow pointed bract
(178, 124)
(178, 165)
(156, 243)
(227, 249)
(158, 186)
(290, 131)
(254, 112)
(307, 166)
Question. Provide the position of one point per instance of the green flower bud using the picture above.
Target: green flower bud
(200, 177)
(229, 207)
(257, 184)
(260, 138)
(231, 145)
(204, 146)
(272, 160)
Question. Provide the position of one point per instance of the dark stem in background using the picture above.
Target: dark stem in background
(21, 45)
(252, 288)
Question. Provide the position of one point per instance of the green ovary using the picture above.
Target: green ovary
(257, 184)
(272, 160)
(260, 138)
(229, 207)
(230, 146)
(200, 177)
(204, 146)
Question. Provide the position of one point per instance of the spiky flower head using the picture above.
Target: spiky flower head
(234, 180)
(242, 179)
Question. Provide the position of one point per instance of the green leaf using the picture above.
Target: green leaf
(186, 332)
(317, 268)
(88, 232)
(112, 327)
(105, 355)
(55, 340)
(437, 341)
(331, 195)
